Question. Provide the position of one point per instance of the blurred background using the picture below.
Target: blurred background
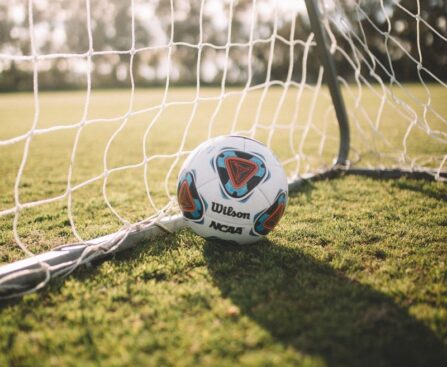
(61, 27)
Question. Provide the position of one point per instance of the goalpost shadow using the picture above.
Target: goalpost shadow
(307, 305)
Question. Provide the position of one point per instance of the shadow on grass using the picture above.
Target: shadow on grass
(308, 305)
(422, 187)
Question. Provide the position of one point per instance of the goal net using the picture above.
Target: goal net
(145, 82)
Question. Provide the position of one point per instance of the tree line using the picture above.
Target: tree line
(63, 28)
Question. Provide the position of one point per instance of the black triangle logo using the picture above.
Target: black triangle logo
(240, 170)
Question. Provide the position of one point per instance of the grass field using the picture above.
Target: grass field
(355, 274)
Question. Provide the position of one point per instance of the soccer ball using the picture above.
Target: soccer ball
(232, 188)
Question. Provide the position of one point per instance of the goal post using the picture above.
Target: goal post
(330, 74)
(333, 88)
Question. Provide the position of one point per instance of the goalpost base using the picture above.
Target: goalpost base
(30, 274)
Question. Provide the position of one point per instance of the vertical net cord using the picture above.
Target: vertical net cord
(249, 68)
(123, 123)
(282, 99)
(30, 132)
(195, 105)
(419, 67)
(268, 75)
(42, 266)
(310, 118)
(160, 110)
(224, 75)
(82, 125)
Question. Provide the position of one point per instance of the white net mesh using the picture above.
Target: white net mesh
(81, 164)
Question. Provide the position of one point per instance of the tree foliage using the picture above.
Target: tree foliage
(199, 33)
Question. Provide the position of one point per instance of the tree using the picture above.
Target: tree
(62, 27)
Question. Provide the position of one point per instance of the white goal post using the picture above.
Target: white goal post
(332, 86)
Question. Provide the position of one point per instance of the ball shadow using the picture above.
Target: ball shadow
(319, 311)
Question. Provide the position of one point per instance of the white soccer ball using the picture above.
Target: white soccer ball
(232, 188)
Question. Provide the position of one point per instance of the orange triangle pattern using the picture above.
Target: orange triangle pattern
(185, 198)
(274, 218)
(240, 170)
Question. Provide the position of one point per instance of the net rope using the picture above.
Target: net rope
(369, 77)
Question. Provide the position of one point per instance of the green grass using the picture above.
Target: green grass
(355, 274)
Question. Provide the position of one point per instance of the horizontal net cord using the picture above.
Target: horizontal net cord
(136, 51)
(162, 106)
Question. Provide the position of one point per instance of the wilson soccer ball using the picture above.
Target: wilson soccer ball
(232, 188)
